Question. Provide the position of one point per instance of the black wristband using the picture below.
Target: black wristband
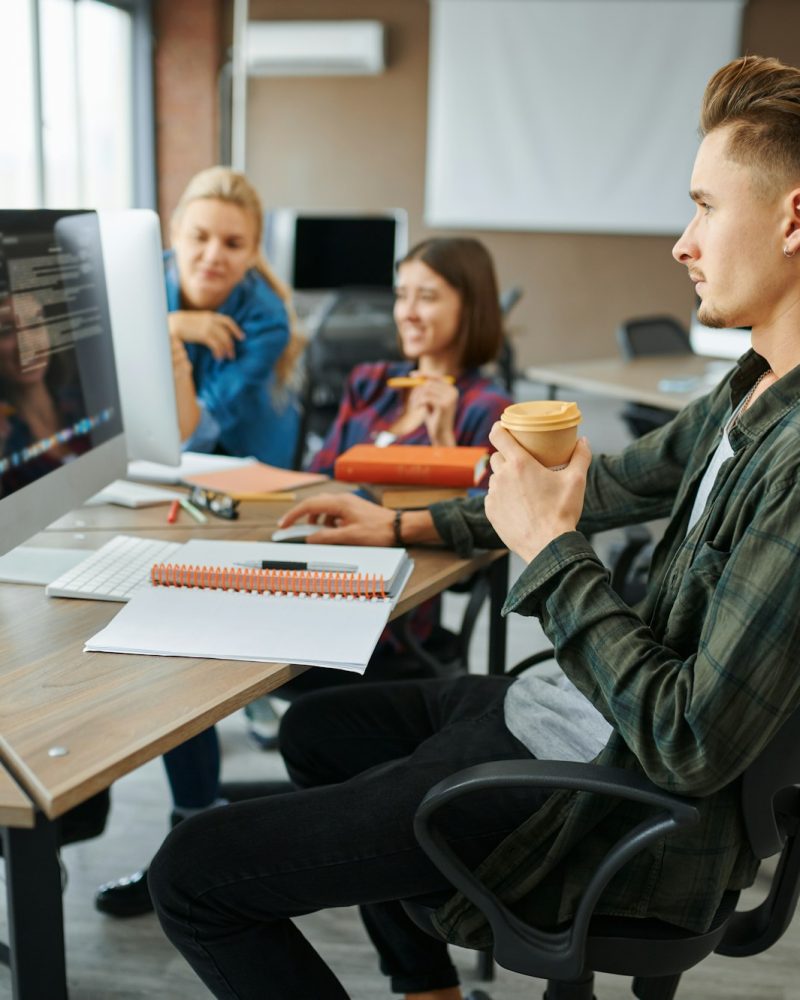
(396, 528)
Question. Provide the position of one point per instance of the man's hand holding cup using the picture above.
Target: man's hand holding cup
(528, 504)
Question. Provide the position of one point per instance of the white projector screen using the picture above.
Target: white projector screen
(569, 115)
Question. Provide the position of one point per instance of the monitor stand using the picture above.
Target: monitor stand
(35, 565)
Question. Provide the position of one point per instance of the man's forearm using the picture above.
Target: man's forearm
(417, 528)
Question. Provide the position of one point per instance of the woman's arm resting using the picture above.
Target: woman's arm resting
(185, 395)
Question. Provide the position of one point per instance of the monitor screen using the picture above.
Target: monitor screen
(60, 421)
(320, 251)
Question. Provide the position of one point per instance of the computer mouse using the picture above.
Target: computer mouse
(295, 532)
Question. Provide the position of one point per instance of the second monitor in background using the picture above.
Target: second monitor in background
(137, 302)
(323, 251)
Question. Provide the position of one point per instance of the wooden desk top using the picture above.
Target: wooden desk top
(637, 380)
(113, 712)
(253, 514)
(16, 809)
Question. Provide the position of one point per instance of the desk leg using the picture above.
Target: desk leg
(498, 588)
(35, 916)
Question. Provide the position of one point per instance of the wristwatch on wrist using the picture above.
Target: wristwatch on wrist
(397, 529)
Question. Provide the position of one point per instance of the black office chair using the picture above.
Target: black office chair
(646, 337)
(356, 327)
(652, 952)
(506, 358)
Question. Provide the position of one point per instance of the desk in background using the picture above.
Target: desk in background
(635, 381)
(113, 712)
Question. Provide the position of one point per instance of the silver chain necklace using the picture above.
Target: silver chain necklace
(755, 385)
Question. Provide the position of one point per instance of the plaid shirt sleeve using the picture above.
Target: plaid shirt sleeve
(363, 383)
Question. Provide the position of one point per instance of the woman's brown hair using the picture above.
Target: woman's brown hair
(466, 265)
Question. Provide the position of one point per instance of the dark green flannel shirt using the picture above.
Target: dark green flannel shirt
(695, 680)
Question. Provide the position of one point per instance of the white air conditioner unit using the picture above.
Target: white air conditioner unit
(314, 48)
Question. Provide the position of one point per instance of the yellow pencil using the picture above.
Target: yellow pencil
(410, 381)
(263, 496)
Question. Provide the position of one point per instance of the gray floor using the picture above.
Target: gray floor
(130, 960)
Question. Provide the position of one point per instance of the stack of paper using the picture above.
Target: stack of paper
(282, 628)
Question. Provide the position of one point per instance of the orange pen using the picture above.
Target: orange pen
(174, 507)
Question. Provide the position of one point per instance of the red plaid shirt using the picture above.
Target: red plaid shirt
(370, 406)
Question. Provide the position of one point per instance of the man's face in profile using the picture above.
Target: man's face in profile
(733, 245)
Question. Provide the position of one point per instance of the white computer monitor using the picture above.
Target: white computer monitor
(324, 250)
(137, 299)
(61, 436)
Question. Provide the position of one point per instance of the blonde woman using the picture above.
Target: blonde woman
(230, 319)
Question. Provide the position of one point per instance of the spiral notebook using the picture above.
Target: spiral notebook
(328, 610)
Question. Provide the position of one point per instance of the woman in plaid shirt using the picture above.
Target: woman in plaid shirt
(448, 322)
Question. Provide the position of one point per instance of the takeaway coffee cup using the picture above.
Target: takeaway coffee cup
(547, 429)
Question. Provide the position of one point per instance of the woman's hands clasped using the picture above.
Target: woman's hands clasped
(528, 504)
(438, 399)
(217, 332)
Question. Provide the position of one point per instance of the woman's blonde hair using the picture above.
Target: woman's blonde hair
(225, 184)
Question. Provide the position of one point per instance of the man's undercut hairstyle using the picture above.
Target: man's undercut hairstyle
(760, 99)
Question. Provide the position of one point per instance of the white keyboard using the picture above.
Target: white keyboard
(115, 571)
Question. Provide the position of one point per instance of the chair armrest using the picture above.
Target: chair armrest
(547, 954)
(530, 661)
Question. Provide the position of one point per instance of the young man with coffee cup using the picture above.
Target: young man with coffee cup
(687, 687)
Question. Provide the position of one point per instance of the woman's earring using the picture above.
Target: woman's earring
(787, 252)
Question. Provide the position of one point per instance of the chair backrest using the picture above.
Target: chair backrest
(771, 810)
(357, 326)
(509, 297)
(650, 335)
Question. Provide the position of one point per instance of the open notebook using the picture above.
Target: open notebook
(328, 611)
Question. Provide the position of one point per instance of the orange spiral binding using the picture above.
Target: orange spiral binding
(295, 583)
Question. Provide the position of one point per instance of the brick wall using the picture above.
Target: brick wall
(188, 56)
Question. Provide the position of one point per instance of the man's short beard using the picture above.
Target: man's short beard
(714, 320)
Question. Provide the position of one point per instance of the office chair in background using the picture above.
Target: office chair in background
(506, 359)
(652, 952)
(646, 337)
(357, 326)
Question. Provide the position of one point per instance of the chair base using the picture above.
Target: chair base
(583, 990)
(662, 988)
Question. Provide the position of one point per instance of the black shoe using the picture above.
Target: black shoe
(127, 897)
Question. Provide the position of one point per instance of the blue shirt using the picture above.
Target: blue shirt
(242, 410)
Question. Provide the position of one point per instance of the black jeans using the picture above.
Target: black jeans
(227, 882)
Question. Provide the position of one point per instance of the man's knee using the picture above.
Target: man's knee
(165, 875)
(311, 730)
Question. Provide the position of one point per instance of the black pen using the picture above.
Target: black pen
(312, 567)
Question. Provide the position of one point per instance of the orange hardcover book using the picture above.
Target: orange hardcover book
(413, 464)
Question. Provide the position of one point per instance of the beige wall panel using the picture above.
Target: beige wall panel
(359, 143)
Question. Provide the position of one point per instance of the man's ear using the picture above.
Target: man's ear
(792, 227)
